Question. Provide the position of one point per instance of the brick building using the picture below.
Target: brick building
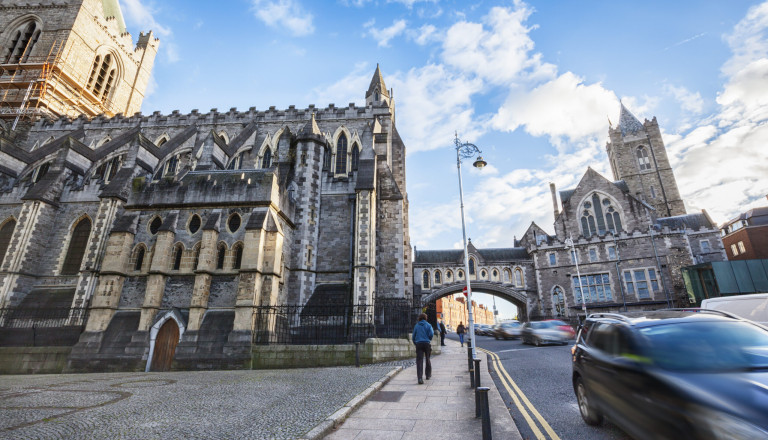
(746, 236)
(630, 238)
(175, 228)
(453, 311)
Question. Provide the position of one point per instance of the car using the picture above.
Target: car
(507, 330)
(753, 307)
(673, 374)
(482, 329)
(546, 332)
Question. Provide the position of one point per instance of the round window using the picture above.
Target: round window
(587, 205)
(606, 202)
(483, 274)
(154, 225)
(194, 224)
(233, 223)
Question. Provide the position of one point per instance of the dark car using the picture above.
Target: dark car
(546, 332)
(507, 330)
(674, 374)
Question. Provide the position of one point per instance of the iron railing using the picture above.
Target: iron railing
(331, 324)
(41, 326)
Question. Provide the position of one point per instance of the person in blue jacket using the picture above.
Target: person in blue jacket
(422, 337)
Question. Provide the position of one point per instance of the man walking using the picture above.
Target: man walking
(422, 336)
(443, 331)
(460, 332)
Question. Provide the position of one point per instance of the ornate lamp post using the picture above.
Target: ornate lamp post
(466, 150)
(569, 245)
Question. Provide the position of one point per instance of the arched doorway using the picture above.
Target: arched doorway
(165, 346)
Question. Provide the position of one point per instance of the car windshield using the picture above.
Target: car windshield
(706, 346)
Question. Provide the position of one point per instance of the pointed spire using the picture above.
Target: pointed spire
(377, 84)
(310, 127)
(628, 123)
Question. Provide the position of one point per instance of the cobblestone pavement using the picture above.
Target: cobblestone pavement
(266, 404)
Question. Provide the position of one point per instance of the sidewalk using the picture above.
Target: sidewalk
(443, 408)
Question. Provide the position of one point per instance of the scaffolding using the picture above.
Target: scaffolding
(47, 86)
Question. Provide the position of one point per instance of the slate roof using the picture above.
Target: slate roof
(628, 123)
(503, 254)
(492, 254)
(428, 257)
(688, 221)
(377, 80)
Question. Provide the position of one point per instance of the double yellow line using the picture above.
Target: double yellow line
(521, 401)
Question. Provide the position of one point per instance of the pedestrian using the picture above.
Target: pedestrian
(443, 331)
(422, 338)
(460, 332)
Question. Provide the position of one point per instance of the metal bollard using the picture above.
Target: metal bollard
(481, 394)
(469, 354)
(357, 354)
(471, 378)
(477, 372)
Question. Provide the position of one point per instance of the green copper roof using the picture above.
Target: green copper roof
(112, 9)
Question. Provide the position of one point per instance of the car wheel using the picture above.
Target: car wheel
(537, 342)
(590, 415)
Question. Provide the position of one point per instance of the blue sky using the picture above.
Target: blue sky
(533, 84)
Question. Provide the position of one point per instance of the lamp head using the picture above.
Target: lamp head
(480, 163)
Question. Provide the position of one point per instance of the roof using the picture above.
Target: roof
(628, 123)
(377, 80)
(504, 254)
(755, 216)
(688, 221)
(112, 9)
(427, 257)
(493, 254)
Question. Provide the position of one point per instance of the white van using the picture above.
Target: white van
(752, 307)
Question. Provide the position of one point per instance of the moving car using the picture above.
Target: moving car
(483, 329)
(753, 307)
(507, 330)
(673, 374)
(546, 332)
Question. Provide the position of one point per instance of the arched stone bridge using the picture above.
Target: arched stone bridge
(515, 295)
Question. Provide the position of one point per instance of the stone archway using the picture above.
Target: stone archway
(518, 297)
(164, 336)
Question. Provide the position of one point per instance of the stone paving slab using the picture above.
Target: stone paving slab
(262, 404)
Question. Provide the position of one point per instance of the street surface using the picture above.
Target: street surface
(542, 376)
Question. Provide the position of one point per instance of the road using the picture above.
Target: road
(543, 376)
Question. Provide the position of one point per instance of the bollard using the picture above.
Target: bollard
(477, 372)
(469, 354)
(482, 395)
(357, 354)
(472, 377)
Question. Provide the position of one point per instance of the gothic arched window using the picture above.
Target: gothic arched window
(507, 275)
(437, 277)
(355, 157)
(107, 170)
(6, 232)
(221, 252)
(643, 161)
(341, 154)
(448, 276)
(599, 215)
(558, 301)
(266, 160)
(327, 159)
(237, 162)
(77, 244)
(425, 279)
(178, 252)
(103, 76)
(238, 251)
(519, 277)
(139, 257)
(471, 266)
(23, 41)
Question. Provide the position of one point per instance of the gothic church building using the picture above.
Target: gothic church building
(134, 225)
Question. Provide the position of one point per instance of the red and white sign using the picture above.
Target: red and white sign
(464, 291)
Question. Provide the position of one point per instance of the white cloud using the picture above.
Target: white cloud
(689, 101)
(425, 34)
(351, 88)
(288, 14)
(142, 15)
(384, 35)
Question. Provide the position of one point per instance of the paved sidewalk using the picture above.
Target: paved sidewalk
(443, 408)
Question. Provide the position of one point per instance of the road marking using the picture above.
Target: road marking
(506, 380)
(519, 349)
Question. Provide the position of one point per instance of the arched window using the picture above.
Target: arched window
(438, 280)
(221, 252)
(425, 279)
(237, 162)
(162, 140)
(355, 157)
(507, 275)
(40, 172)
(448, 276)
(107, 170)
(6, 232)
(558, 301)
(197, 256)
(139, 257)
(519, 277)
(77, 244)
(103, 76)
(471, 266)
(23, 41)
(266, 161)
(599, 215)
(483, 274)
(460, 274)
(643, 161)
(495, 275)
(238, 250)
(327, 159)
(178, 252)
(341, 154)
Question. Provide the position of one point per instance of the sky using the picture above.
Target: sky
(533, 84)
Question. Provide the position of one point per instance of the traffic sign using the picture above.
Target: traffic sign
(464, 291)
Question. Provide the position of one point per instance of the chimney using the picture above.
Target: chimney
(554, 198)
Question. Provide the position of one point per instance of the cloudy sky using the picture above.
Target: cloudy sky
(533, 84)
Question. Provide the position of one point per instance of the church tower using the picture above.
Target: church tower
(638, 156)
(70, 58)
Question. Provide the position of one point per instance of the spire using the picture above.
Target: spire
(628, 123)
(310, 127)
(377, 85)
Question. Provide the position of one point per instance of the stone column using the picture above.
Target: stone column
(107, 296)
(161, 261)
(205, 266)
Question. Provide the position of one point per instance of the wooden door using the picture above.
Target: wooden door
(165, 346)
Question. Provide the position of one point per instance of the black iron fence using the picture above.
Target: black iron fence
(25, 327)
(331, 324)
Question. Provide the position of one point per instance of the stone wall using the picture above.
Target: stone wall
(33, 360)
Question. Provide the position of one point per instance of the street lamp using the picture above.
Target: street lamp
(569, 245)
(466, 150)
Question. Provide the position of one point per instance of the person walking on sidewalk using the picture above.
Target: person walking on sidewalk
(443, 331)
(422, 338)
(460, 332)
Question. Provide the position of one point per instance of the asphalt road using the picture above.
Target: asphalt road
(543, 376)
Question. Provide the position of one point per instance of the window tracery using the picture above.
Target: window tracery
(643, 161)
(599, 215)
(341, 154)
(23, 41)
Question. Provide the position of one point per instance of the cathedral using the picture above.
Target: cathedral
(618, 244)
(134, 231)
